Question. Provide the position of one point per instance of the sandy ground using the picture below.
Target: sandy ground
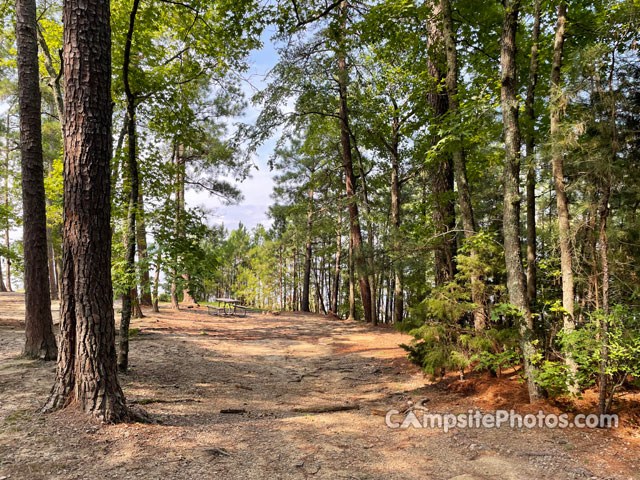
(188, 366)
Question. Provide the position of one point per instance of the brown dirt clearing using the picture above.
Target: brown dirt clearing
(187, 366)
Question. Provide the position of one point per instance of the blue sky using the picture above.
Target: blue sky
(256, 189)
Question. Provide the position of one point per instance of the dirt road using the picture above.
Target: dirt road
(276, 373)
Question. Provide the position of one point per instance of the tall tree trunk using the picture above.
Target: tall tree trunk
(175, 162)
(130, 239)
(2, 286)
(187, 298)
(387, 299)
(306, 278)
(118, 152)
(40, 340)
(605, 391)
(529, 132)
(320, 301)
(442, 172)
(336, 276)
(296, 304)
(7, 153)
(86, 371)
(379, 284)
(51, 254)
(136, 311)
(53, 283)
(141, 240)
(350, 179)
(281, 278)
(370, 254)
(156, 285)
(564, 227)
(352, 282)
(174, 296)
(398, 293)
(516, 284)
(603, 400)
(459, 161)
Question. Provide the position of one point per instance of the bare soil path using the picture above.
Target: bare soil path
(274, 372)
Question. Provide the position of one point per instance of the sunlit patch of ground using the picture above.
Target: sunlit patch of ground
(187, 366)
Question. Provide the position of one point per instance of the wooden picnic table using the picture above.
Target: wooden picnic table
(230, 304)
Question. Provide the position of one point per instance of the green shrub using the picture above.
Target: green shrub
(585, 345)
(437, 348)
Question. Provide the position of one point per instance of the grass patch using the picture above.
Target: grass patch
(23, 362)
(34, 364)
(134, 332)
(18, 416)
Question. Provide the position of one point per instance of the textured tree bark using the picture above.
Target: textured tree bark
(459, 161)
(128, 298)
(532, 270)
(350, 180)
(174, 296)
(136, 311)
(398, 291)
(187, 298)
(516, 284)
(352, 286)
(86, 371)
(442, 173)
(564, 227)
(40, 340)
(306, 276)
